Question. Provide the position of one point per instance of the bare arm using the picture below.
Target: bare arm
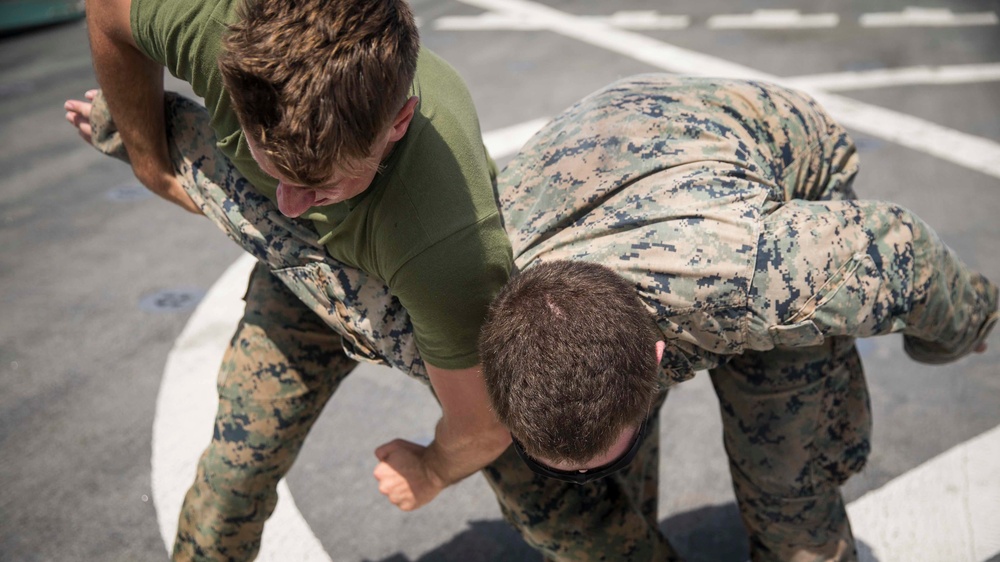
(467, 438)
(133, 87)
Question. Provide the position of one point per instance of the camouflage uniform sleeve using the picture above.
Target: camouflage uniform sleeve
(861, 269)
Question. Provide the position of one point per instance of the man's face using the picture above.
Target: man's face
(614, 459)
(295, 199)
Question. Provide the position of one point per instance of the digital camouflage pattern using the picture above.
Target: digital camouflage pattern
(730, 206)
(281, 368)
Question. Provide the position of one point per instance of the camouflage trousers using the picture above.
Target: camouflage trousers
(794, 404)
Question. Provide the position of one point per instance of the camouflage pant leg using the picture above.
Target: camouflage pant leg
(612, 519)
(864, 268)
(797, 424)
(282, 366)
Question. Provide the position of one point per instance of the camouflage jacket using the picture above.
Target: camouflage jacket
(666, 180)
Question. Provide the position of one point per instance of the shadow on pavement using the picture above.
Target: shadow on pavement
(708, 534)
(483, 541)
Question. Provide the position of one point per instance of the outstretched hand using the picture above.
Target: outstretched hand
(78, 115)
(404, 476)
(161, 182)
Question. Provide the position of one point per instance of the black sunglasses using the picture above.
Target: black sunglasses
(591, 474)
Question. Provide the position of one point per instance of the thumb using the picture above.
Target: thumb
(384, 450)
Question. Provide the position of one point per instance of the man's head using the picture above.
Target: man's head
(570, 360)
(320, 89)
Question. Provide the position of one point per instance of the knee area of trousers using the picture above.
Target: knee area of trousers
(237, 487)
(770, 486)
(239, 473)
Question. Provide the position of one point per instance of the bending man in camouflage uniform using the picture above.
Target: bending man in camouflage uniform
(684, 187)
(727, 208)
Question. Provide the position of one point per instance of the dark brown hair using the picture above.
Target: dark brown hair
(315, 82)
(568, 354)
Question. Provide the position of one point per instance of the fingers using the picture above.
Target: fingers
(395, 487)
(78, 107)
(78, 115)
(384, 450)
(82, 125)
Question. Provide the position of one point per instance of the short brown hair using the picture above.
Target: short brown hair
(315, 82)
(568, 355)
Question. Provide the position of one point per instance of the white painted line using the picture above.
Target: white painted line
(646, 19)
(974, 152)
(970, 151)
(502, 143)
(185, 414)
(926, 17)
(643, 19)
(486, 22)
(773, 19)
(945, 510)
(600, 34)
(887, 77)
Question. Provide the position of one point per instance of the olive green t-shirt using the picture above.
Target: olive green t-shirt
(428, 226)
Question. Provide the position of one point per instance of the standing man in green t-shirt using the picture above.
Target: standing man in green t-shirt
(332, 110)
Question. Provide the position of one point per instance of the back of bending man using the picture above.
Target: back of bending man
(664, 225)
(331, 111)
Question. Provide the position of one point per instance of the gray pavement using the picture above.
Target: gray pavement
(97, 280)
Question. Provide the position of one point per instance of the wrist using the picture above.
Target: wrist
(435, 467)
(156, 178)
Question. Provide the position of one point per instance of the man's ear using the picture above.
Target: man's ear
(402, 121)
(660, 346)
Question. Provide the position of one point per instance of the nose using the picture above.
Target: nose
(294, 200)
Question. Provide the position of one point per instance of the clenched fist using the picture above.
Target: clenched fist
(404, 476)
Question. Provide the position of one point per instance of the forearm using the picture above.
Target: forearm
(468, 435)
(132, 86)
(458, 452)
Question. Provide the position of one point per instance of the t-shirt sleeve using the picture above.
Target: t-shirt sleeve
(447, 289)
